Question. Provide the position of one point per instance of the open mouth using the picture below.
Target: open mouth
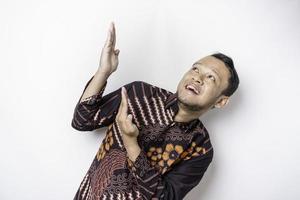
(190, 87)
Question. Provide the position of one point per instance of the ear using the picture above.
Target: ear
(222, 102)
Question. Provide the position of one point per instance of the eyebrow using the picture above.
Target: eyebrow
(210, 69)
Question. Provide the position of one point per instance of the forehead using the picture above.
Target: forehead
(215, 64)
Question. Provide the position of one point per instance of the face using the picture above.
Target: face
(201, 86)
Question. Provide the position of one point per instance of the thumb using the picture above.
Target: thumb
(117, 52)
(130, 117)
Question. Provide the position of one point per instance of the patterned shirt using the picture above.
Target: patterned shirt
(173, 158)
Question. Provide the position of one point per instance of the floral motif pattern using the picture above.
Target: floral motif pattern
(154, 154)
(172, 154)
(109, 140)
(193, 150)
(164, 159)
(101, 152)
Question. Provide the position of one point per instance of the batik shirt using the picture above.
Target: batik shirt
(173, 158)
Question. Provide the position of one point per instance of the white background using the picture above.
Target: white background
(49, 50)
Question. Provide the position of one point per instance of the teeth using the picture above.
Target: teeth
(193, 88)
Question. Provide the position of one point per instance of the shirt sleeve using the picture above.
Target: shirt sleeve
(175, 183)
(147, 176)
(97, 110)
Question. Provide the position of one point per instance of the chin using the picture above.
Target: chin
(189, 102)
(188, 97)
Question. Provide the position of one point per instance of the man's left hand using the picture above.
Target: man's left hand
(124, 120)
(129, 131)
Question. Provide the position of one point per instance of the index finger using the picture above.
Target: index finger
(113, 35)
(109, 40)
(123, 106)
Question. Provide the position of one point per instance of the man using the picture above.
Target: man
(155, 146)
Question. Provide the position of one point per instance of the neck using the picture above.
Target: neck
(186, 115)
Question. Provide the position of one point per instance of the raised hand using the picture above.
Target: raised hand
(124, 120)
(109, 55)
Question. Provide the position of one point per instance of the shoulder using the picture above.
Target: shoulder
(149, 89)
(146, 84)
(139, 83)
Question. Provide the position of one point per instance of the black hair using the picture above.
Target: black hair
(233, 81)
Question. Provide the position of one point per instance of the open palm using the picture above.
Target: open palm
(109, 56)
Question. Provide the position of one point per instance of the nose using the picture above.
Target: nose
(199, 80)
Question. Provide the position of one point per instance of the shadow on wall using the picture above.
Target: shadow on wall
(211, 119)
(227, 112)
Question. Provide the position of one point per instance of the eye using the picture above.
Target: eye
(195, 69)
(211, 77)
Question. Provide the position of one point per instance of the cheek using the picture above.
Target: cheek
(210, 92)
(182, 84)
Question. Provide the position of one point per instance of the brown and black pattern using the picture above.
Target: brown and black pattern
(174, 156)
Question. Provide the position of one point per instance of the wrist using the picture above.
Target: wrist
(133, 152)
(129, 141)
(103, 73)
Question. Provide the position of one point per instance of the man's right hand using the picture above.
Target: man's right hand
(109, 56)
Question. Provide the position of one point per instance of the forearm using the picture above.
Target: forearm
(95, 85)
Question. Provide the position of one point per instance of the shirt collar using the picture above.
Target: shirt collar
(172, 102)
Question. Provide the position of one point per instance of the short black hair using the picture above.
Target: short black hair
(233, 81)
